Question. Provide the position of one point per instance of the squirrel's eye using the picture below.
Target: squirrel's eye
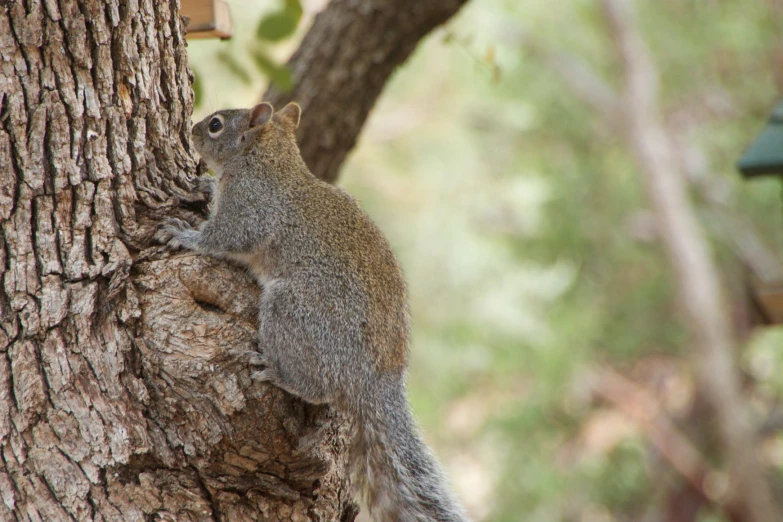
(215, 125)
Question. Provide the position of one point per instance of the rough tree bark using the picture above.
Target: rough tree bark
(342, 65)
(123, 391)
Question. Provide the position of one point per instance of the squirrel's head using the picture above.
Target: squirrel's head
(231, 133)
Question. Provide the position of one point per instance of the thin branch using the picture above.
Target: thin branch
(586, 85)
(584, 82)
(641, 407)
(716, 193)
(690, 255)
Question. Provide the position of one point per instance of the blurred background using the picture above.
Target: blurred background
(553, 369)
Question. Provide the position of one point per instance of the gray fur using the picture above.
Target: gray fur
(333, 320)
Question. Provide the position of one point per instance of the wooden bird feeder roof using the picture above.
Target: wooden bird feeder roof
(208, 18)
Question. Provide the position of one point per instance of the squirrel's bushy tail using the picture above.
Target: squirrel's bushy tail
(398, 477)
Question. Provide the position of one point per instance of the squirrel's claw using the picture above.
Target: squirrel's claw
(175, 233)
(265, 375)
(256, 358)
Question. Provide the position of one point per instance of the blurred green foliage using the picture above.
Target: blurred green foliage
(525, 235)
(280, 24)
(599, 289)
(273, 27)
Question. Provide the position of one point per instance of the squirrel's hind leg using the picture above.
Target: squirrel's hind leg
(289, 378)
(292, 344)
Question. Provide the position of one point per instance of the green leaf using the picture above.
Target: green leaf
(294, 7)
(279, 74)
(280, 24)
(236, 68)
(276, 26)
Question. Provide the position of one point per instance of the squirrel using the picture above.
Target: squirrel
(333, 316)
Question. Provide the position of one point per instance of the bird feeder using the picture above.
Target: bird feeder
(764, 157)
(208, 18)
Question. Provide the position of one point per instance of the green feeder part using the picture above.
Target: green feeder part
(765, 155)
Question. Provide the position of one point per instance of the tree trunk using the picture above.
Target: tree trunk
(124, 394)
(342, 65)
(123, 391)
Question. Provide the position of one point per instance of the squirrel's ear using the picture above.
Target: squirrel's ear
(290, 115)
(261, 114)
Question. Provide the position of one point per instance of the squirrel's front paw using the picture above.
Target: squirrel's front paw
(206, 184)
(176, 233)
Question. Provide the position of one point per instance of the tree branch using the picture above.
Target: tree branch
(342, 65)
(587, 85)
(643, 409)
(690, 255)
